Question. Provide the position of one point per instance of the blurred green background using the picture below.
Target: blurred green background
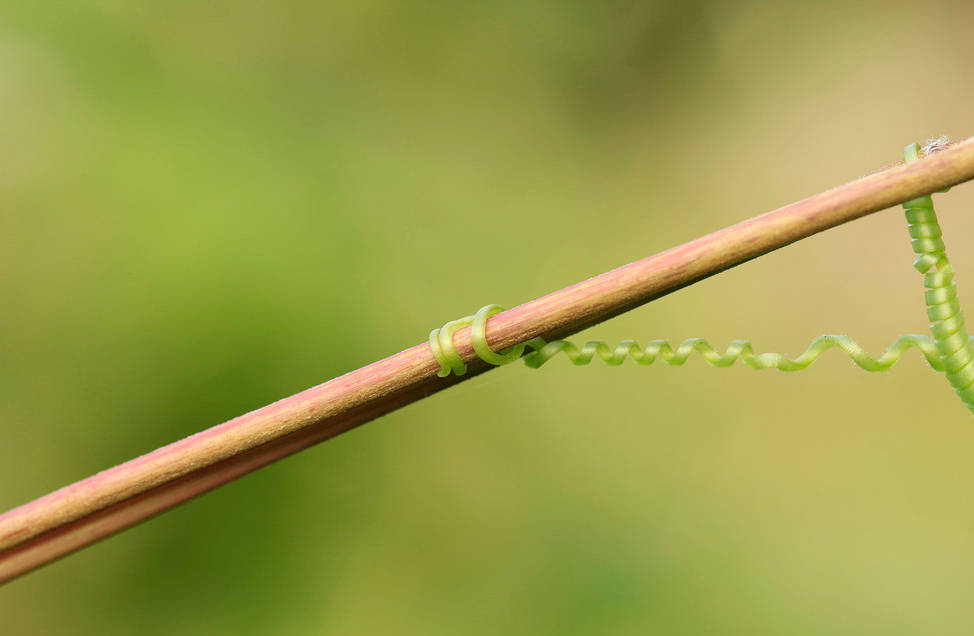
(206, 206)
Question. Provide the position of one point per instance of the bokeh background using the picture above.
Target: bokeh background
(206, 206)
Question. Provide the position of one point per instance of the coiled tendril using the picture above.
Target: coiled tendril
(950, 351)
(943, 308)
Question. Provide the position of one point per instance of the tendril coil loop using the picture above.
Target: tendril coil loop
(951, 350)
(943, 307)
(441, 342)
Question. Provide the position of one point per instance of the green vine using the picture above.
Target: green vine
(950, 351)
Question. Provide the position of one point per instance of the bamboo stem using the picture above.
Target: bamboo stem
(82, 513)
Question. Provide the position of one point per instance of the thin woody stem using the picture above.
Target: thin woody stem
(84, 512)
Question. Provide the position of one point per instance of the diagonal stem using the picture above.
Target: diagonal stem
(82, 513)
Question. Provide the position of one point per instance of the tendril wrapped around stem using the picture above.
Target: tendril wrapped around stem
(951, 350)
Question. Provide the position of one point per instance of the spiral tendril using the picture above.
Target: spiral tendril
(943, 307)
(738, 349)
(951, 350)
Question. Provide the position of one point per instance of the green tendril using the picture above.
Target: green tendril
(943, 307)
(951, 350)
(441, 342)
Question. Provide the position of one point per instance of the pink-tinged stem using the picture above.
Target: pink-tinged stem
(84, 512)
